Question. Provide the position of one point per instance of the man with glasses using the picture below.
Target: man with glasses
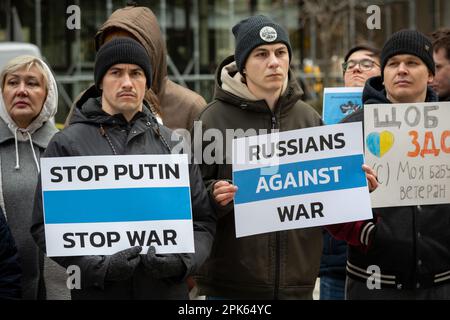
(360, 63)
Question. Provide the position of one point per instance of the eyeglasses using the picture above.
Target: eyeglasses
(364, 64)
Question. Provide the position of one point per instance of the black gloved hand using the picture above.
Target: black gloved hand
(121, 265)
(163, 266)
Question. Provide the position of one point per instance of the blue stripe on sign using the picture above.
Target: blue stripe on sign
(117, 205)
(350, 176)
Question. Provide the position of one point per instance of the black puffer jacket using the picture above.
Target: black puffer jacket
(410, 244)
(141, 136)
(10, 271)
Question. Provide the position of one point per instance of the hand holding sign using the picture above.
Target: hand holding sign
(371, 177)
(121, 265)
(163, 266)
(224, 192)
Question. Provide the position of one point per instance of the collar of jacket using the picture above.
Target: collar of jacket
(292, 94)
(41, 137)
(375, 93)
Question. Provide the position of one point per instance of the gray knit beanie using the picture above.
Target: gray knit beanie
(256, 31)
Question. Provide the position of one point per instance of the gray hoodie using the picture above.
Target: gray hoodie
(20, 151)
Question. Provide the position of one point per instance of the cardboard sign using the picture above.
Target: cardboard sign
(408, 145)
(99, 205)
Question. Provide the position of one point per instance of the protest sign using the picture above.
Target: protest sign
(99, 205)
(408, 145)
(340, 102)
(298, 179)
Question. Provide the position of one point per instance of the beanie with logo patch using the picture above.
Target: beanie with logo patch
(255, 31)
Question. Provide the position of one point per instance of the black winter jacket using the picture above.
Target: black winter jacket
(410, 244)
(142, 135)
(10, 272)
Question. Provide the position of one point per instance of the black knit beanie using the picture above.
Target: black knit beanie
(408, 42)
(256, 31)
(121, 50)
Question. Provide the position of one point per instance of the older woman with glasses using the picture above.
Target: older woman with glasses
(28, 101)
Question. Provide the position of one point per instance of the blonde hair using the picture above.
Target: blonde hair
(23, 62)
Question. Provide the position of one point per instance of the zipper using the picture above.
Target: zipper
(277, 265)
(415, 244)
(274, 121)
(108, 139)
(277, 236)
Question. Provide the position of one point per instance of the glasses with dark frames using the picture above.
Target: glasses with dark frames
(364, 64)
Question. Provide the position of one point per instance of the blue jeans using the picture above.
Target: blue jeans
(332, 288)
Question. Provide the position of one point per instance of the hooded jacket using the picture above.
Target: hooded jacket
(20, 150)
(179, 105)
(410, 244)
(142, 135)
(277, 265)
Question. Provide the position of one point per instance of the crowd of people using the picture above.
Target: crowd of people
(133, 108)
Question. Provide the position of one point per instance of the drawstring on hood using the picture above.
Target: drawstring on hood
(17, 167)
(47, 113)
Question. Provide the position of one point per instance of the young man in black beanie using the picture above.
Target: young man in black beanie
(411, 244)
(113, 118)
(255, 90)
